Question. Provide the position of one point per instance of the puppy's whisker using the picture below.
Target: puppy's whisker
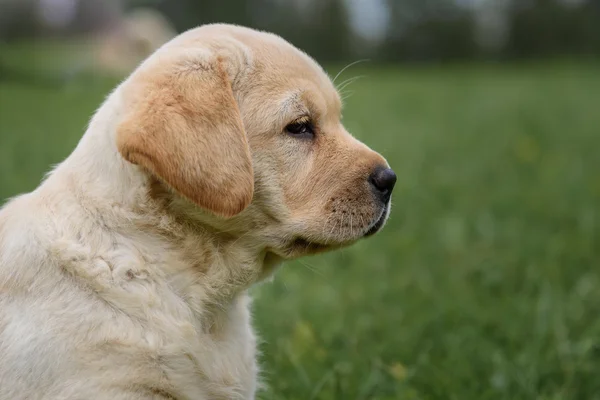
(347, 95)
(348, 82)
(241, 237)
(311, 268)
(348, 66)
(342, 231)
(326, 237)
(333, 228)
(351, 230)
(287, 289)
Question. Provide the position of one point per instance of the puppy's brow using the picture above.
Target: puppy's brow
(300, 103)
(292, 102)
(293, 106)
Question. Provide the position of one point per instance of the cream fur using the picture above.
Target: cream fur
(123, 280)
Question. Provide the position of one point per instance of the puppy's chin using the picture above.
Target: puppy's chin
(301, 247)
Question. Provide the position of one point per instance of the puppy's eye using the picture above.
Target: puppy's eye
(301, 129)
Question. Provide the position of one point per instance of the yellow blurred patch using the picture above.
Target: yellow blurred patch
(398, 371)
(304, 333)
(527, 149)
(320, 353)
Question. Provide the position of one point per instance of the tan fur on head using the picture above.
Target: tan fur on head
(184, 126)
(124, 276)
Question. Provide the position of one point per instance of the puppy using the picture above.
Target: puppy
(124, 275)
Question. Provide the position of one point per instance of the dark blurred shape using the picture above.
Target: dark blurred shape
(429, 30)
(551, 28)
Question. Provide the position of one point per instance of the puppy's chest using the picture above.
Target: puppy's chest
(168, 318)
(215, 358)
(203, 352)
(209, 355)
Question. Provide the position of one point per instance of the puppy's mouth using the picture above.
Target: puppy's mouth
(305, 246)
(379, 223)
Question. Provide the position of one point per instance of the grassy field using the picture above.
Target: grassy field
(486, 282)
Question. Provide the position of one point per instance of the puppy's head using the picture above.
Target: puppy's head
(247, 128)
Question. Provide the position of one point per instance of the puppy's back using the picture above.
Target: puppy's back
(28, 356)
(36, 297)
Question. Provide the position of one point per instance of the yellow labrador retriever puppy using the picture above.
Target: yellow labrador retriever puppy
(124, 275)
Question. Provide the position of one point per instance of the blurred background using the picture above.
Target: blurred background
(485, 284)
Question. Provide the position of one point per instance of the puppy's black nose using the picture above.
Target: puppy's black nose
(383, 180)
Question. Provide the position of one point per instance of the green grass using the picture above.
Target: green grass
(485, 284)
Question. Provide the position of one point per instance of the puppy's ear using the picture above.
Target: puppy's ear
(183, 125)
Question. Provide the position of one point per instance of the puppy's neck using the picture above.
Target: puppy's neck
(126, 210)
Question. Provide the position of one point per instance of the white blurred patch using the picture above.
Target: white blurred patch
(57, 13)
(369, 19)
